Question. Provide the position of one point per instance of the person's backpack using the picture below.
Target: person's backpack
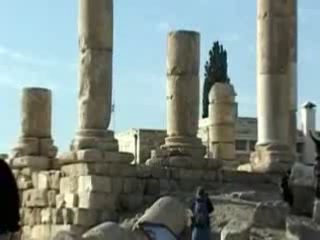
(201, 214)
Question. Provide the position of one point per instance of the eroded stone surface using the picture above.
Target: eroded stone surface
(236, 230)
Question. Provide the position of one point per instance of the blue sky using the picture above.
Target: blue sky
(38, 47)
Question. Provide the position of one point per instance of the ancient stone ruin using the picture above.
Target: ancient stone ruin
(79, 192)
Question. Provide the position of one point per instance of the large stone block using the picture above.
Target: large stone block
(94, 184)
(35, 198)
(33, 162)
(299, 228)
(270, 214)
(97, 201)
(69, 184)
(85, 217)
(236, 230)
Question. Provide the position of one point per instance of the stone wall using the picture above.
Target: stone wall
(82, 195)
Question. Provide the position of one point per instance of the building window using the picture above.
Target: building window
(252, 145)
(241, 145)
(299, 147)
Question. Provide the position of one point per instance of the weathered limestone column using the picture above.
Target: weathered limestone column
(308, 119)
(93, 140)
(95, 27)
(182, 147)
(183, 61)
(293, 41)
(222, 133)
(35, 146)
(273, 87)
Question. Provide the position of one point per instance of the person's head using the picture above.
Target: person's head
(200, 193)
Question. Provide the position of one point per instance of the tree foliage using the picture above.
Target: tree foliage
(216, 70)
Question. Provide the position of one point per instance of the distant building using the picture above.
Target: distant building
(140, 142)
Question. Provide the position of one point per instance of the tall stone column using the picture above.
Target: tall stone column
(273, 87)
(182, 147)
(183, 62)
(35, 146)
(308, 119)
(222, 120)
(93, 140)
(95, 27)
(293, 41)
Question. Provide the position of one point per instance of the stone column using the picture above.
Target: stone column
(293, 41)
(93, 141)
(95, 27)
(273, 87)
(308, 119)
(183, 61)
(222, 133)
(35, 145)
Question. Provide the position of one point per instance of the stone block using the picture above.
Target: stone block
(69, 185)
(97, 201)
(236, 230)
(94, 184)
(41, 232)
(90, 155)
(152, 187)
(52, 195)
(26, 232)
(35, 198)
(85, 217)
(270, 214)
(30, 216)
(131, 202)
(33, 162)
(68, 216)
(51, 216)
(116, 186)
(68, 200)
(299, 228)
(24, 182)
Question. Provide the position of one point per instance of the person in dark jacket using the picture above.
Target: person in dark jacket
(9, 202)
(286, 190)
(201, 208)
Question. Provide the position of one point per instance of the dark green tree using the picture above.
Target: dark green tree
(216, 70)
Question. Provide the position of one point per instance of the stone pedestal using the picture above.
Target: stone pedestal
(273, 87)
(182, 147)
(222, 122)
(35, 147)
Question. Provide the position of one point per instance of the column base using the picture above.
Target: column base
(95, 156)
(34, 146)
(184, 146)
(165, 158)
(94, 139)
(271, 158)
